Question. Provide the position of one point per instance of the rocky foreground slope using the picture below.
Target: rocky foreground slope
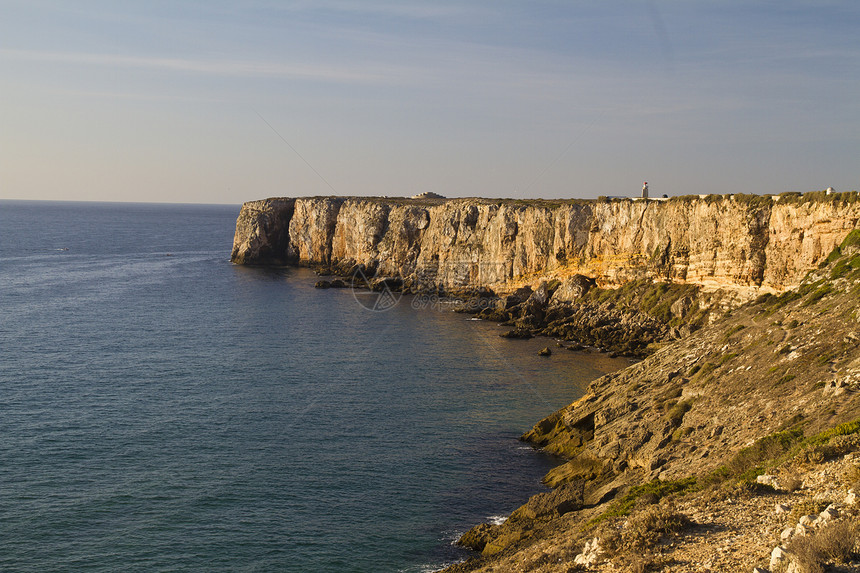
(733, 448)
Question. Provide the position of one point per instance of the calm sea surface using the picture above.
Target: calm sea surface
(164, 410)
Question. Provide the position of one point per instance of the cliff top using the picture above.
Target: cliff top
(792, 197)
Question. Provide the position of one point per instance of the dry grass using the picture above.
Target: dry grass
(834, 543)
(642, 530)
(852, 478)
(791, 483)
(808, 507)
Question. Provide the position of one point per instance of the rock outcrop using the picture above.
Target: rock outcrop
(743, 244)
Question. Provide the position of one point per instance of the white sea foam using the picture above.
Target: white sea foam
(431, 568)
(497, 519)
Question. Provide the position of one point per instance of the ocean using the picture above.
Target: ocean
(164, 410)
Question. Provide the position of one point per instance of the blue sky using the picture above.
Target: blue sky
(227, 101)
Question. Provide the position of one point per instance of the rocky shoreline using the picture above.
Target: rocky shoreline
(748, 394)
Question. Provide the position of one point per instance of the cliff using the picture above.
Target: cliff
(742, 244)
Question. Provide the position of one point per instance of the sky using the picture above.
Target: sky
(217, 101)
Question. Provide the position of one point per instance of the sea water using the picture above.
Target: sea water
(164, 410)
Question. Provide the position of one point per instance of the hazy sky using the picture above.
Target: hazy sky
(225, 101)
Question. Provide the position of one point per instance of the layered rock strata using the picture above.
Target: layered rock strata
(743, 244)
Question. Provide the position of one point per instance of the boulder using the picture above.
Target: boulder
(545, 351)
(323, 284)
(519, 296)
(561, 500)
(518, 332)
(767, 480)
(681, 307)
(572, 288)
(389, 284)
(478, 537)
(540, 296)
(494, 315)
(827, 515)
(778, 556)
(591, 554)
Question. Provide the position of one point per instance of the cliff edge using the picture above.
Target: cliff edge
(745, 244)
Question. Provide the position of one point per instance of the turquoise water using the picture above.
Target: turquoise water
(165, 410)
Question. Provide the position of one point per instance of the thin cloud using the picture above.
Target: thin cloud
(221, 68)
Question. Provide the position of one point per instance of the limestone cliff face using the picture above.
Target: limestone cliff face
(262, 232)
(742, 244)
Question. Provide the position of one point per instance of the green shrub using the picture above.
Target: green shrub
(851, 240)
(675, 414)
(750, 461)
(845, 429)
(784, 379)
(726, 357)
(681, 433)
(807, 507)
(733, 330)
(656, 490)
(818, 295)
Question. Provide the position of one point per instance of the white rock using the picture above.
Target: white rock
(807, 519)
(851, 498)
(828, 514)
(786, 534)
(801, 529)
(591, 553)
(777, 556)
(766, 480)
(760, 570)
(782, 508)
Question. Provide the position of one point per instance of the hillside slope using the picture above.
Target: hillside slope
(758, 391)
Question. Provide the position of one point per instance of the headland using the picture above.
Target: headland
(744, 308)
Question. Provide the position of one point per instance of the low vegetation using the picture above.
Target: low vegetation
(835, 543)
